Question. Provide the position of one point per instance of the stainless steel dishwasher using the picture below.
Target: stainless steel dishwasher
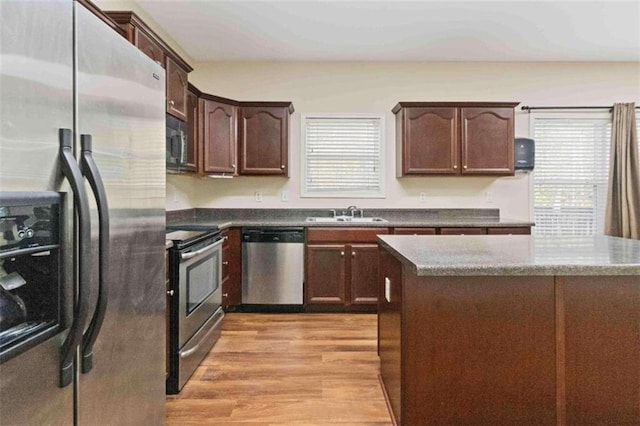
(272, 268)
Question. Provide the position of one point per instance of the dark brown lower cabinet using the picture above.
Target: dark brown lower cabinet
(509, 350)
(341, 271)
(364, 274)
(231, 268)
(325, 272)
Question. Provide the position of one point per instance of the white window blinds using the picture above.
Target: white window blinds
(342, 156)
(571, 172)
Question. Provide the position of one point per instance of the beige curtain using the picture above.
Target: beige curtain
(623, 200)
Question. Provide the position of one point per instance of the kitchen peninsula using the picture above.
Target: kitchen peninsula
(510, 330)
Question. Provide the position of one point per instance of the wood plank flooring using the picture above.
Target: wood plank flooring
(286, 369)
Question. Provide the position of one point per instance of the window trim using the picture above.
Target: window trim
(554, 114)
(381, 193)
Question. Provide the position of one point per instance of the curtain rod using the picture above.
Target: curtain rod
(531, 108)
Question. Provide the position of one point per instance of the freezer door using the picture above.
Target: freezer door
(36, 99)
(121, 104)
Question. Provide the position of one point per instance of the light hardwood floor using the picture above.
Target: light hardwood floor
(286, 369)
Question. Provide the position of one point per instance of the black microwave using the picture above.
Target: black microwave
(176, 148)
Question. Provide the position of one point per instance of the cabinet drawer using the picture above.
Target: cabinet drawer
(462, 231)
(344, 235)
(225, 262)
(517, 230)
(415, 231)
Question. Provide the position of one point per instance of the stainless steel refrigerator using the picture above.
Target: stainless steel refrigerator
(66, 79)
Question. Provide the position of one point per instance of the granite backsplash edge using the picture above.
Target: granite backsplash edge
(206, 214)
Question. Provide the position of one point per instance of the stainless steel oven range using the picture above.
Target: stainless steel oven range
(195, 300)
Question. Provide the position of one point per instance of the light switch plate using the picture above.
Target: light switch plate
(258, 196)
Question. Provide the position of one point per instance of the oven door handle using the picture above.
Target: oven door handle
(71, 172)
(92, 173)
(190, 255)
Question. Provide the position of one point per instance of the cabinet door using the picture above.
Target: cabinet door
(176, 90)
(364, 274)
(193, 131)
(487, 141)
(264, 138)
(430, 142)
(325, 274)
(145, 44)
(219, 144)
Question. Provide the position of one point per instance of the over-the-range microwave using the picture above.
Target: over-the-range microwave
(176, 149)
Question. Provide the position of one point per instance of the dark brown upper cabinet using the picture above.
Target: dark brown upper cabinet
(431, 140)
(263, 135)
(487, 140)
(454, 138)
(149, 47)
(144, 38)
(219, 129)
(176, 90)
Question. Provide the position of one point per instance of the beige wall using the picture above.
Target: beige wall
(376, 88)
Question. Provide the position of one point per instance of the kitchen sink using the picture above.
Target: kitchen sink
(338, 219)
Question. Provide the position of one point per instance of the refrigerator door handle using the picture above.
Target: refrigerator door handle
(72, 173)
(91, 172)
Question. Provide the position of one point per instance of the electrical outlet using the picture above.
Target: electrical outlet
(258, 196)
(284, 196)
(488, 197)
(423, 197)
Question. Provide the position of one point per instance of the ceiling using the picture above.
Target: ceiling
(453, 30)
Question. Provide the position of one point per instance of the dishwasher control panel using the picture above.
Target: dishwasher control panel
(273, 235)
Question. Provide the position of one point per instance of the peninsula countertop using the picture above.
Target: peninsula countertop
(515, 255)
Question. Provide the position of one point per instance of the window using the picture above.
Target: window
(342, 156)
(571, 173)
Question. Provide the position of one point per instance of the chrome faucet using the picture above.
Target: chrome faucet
(353, 210)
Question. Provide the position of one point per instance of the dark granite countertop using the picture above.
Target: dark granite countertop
(515, 255)
(225, 218)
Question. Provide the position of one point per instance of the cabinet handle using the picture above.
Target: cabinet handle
(282, 166)
(233, 165)
(353, 254)
(171, 103)
(225, 294)
(225, 263)
(464, 167)
(226, 237)
(170, 292)
(455, 166)
(342, 253)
